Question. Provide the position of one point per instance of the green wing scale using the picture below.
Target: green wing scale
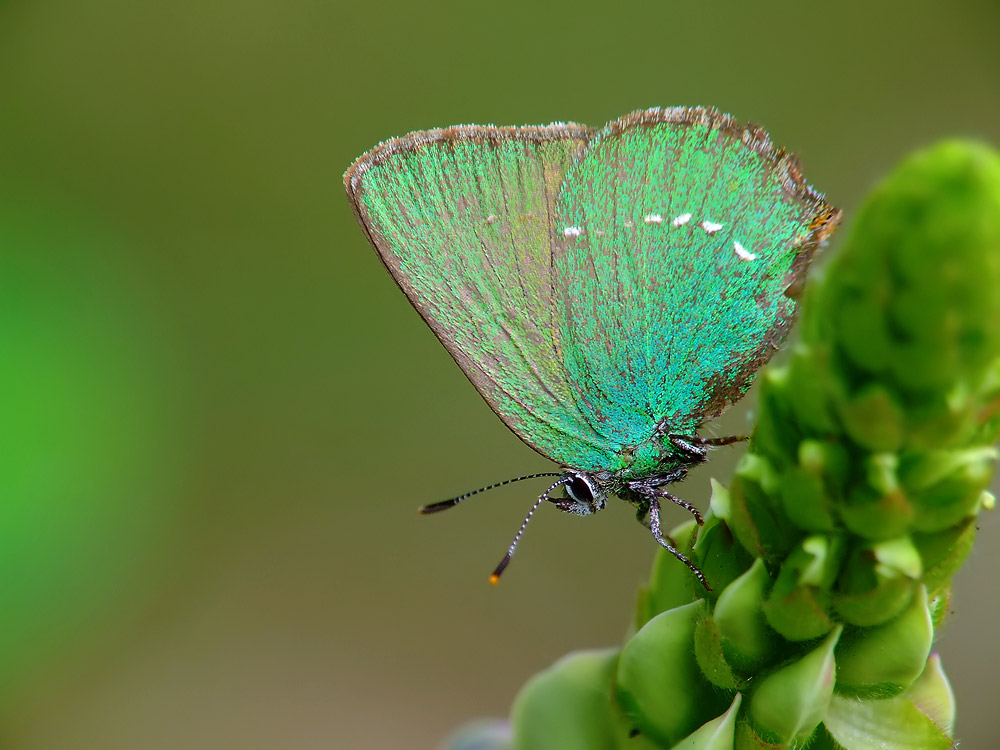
(463, 219)
(683, 232)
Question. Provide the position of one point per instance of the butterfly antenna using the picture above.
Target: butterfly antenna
(445, 504)
(498, 571)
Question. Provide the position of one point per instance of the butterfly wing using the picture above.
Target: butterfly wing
(463, 220)
(685, 230)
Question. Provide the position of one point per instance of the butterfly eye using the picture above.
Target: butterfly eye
(580, 490)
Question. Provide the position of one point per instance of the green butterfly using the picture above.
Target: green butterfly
(606, 291)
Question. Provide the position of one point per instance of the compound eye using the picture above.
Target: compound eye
(579, 490)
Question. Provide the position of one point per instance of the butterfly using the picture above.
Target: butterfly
(605, 290)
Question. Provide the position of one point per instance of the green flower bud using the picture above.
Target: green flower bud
(932, 694)
(721, 504)
(717, 734)
(957, 495)
(863, 331)
(874, 419)
(897, 557)
(914, 370)
(747, 641)
(877, 582)
(875, 515)
(805, 502)
(717, 553)
(884, 661)
(571, 700)
(711, 659)
(788, 704)
(799, 604)
(942, 553)
(811, 389)
(755, 513)
(881, 470)
(748, 739)
(935, 421)
(659, 685)
(772, 436)
(918, 472)
(807, 489)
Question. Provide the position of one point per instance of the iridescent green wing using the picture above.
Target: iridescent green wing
(463, 220)
(682, 233)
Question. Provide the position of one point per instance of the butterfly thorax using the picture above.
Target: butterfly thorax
(647, 469)
(665, 452)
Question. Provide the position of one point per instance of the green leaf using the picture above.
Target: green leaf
(893, 724)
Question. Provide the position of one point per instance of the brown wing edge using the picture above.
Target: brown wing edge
(412, 141)
(384, 151)
(824, 221)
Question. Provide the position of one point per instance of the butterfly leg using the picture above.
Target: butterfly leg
(697, 447)
(665, 542)
(683, 503)
(690, 446)
(727, 440)
(642, 516)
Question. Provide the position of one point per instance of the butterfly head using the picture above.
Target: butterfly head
(584, 494)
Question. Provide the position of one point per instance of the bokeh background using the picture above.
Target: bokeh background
(218, 414)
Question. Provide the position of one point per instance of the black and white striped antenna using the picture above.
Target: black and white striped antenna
(445, 504)
(498, 571)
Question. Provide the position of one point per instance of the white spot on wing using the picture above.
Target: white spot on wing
(572, 231)
(491, 219)
(744, 254)
(682, 220)
(653, 219)
(710, 226)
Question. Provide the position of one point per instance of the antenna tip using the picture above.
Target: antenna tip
(494, 579)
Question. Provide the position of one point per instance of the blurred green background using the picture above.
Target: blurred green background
(218, 414)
